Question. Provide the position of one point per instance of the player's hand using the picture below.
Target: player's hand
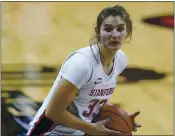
(100, 129)
(134, 123)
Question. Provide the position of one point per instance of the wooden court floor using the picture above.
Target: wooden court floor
(36, 34)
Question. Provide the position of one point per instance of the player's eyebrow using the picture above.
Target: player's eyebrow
(106, 25)
(121, 24)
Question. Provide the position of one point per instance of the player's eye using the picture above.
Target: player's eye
(108, 29)
(120, 29)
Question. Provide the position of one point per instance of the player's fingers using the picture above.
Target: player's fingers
(112, 132)
(134, 129)
(137, 125)
(135, 114)
(105, 121)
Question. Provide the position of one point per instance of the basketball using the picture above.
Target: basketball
(120, 120)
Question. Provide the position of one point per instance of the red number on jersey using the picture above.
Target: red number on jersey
(92, 104)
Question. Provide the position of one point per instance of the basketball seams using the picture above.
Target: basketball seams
(116, 129)
(104, 111)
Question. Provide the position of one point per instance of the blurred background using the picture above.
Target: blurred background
(37, 36)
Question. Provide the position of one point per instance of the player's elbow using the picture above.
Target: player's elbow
(49, 115)
(53, 116)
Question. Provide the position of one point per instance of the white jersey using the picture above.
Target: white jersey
(83, 68)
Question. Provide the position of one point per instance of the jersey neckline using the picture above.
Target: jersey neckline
(101, 67)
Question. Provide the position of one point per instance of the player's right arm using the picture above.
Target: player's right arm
(75, 72)
(56, 111)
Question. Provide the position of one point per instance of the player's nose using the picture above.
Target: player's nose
(115, 34)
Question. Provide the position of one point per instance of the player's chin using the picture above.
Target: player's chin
(114, 47)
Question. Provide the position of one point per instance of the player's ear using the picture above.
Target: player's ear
(97, 31)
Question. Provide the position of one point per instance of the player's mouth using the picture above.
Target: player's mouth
(114, 42)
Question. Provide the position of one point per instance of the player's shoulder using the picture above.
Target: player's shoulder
(122, 55)
(79, 57)
(122, 59)
(89, 53)
(86, 51)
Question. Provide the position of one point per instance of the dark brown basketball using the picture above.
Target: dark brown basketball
(120, 119)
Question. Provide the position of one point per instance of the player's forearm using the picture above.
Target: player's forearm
(67, 119)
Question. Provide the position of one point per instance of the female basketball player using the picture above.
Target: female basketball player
(86, 81)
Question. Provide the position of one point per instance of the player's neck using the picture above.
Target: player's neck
(106, 56)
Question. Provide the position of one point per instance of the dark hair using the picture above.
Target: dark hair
(116, 10)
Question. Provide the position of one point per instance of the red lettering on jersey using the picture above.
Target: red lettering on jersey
(92, 92)
(106, 90)
(111, 90)
(101, 92)
(107, 93)
(96, 92)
